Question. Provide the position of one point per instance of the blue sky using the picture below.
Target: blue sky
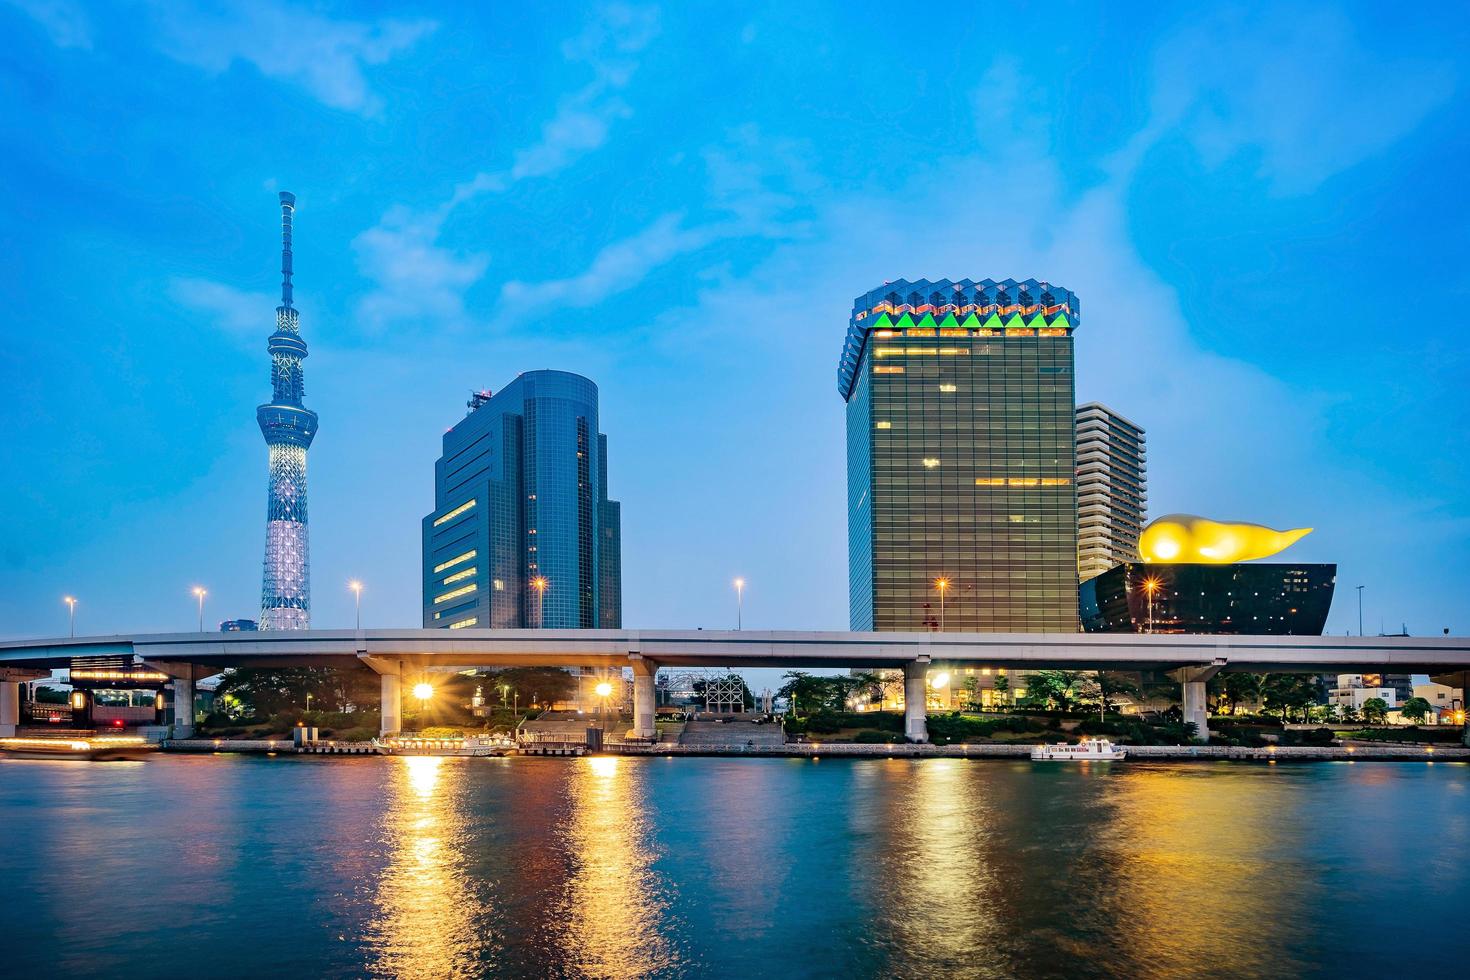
(1263, 210)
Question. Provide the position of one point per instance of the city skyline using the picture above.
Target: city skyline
(1271, 389)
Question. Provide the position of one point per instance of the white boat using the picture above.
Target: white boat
(472, 745)
(1089, 749)
(96, 747)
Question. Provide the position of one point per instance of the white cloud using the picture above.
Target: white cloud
(326, 57)
(236, 311)
(416, 278)
(65, 23)
(1297, 86)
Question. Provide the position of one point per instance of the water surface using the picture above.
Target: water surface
(612, 867)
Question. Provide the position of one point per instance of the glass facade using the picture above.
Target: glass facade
(1247, 599)
(962, 457)
(522, 534)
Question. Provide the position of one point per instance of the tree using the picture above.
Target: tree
(1111, 683)
(1415, 709)
(543, 685)
(1237, 689)
(1291, 694)
(1375, 711)
(265, 691)
(1055, 688)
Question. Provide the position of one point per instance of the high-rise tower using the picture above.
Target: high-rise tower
(288, 427)
(962, 513)
(1112, 489)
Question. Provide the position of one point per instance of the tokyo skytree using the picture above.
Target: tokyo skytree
(288, 427)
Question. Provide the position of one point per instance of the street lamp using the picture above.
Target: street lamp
(739, 601)
(1360, 610)
(356, 588)
(423, 691)
(942, 584)
(540, 584)
(602, 690)
(308, 702)
(1150, 586)
(200, 593)
(71, 603)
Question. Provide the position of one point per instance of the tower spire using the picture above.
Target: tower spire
(288, 209)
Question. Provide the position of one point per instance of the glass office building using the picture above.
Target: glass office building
(522, 534)
(961, 457)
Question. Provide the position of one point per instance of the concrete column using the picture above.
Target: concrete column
(9, 707)
(915, 717)
(643, 699)
(1196, 703)
(390, 705)
(184, 705)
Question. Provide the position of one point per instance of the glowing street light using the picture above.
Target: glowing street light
(1150, 586)
(942, 584)
(356, 588)
(739, 601)
(939, 680)
(603, 689)
(423, 692)
(71, 603)
(540, 583)
(199, 593)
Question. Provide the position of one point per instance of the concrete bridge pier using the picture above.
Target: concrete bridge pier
(390, 701)
(644, 698)
(183, 693)
(1196, 702)
(9, 707)
(915, 700)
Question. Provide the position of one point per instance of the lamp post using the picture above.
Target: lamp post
(942, 584)
(602, 690)
(540, 584)
(1150, 586)
(739, 602)
(1360, 610)
(308, 702)
(200, 593)
(71, 604)
(356, 588)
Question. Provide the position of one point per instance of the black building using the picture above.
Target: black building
(1245, 598)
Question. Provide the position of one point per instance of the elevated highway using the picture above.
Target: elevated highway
(1191, 659)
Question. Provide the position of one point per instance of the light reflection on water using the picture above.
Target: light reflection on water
(606, 867)
(425, 915)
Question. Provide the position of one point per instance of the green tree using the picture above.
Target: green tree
(1292, 694)
(1375, 711)
(1055, 688)
(541, 685)
(264, 691)
(1415, 709)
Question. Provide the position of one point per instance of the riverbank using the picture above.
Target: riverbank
(814, 750)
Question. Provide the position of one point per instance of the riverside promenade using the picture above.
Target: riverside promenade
(896, 750)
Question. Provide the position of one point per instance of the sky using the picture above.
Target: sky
(1262, 209)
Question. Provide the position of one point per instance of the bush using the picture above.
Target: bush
(870, 737)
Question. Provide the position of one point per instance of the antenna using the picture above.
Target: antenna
(288, 208)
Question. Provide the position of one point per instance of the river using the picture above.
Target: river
(238, 866)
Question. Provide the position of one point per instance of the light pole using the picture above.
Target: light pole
(308, 702)
(1360, 610)
(540, 584)
(942, 584)
(356, 588)
(71, 603)
(200, 593)
(602, 690)
(739, 602)
(1150, 586)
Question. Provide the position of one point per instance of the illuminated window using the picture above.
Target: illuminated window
(990, 481)
(916, 332)
(1020, 333)
(947, 388)
(887, 351)
(1051, 332)
(455, 560)
(454, 513)
(464, 622)
(885, 425)
(930, 462)
(461, 576)
(888, 369)
(954, 350)
(989, 333)
(499, 585)
(950, 332)
(1055, 481)
(885, 333)
(455, 594)
(922, 350)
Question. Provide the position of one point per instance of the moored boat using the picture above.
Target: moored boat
(98, 748)
(1087, 750)
(472, 745)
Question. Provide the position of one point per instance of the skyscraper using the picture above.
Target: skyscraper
(1112, 489)
(288, 427)
(522, 534)
(961, 457)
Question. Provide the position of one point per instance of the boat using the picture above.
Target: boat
(471, 745)
(98, 748)
(1087, 750)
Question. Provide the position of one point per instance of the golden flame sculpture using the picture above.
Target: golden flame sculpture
(1187, 539)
